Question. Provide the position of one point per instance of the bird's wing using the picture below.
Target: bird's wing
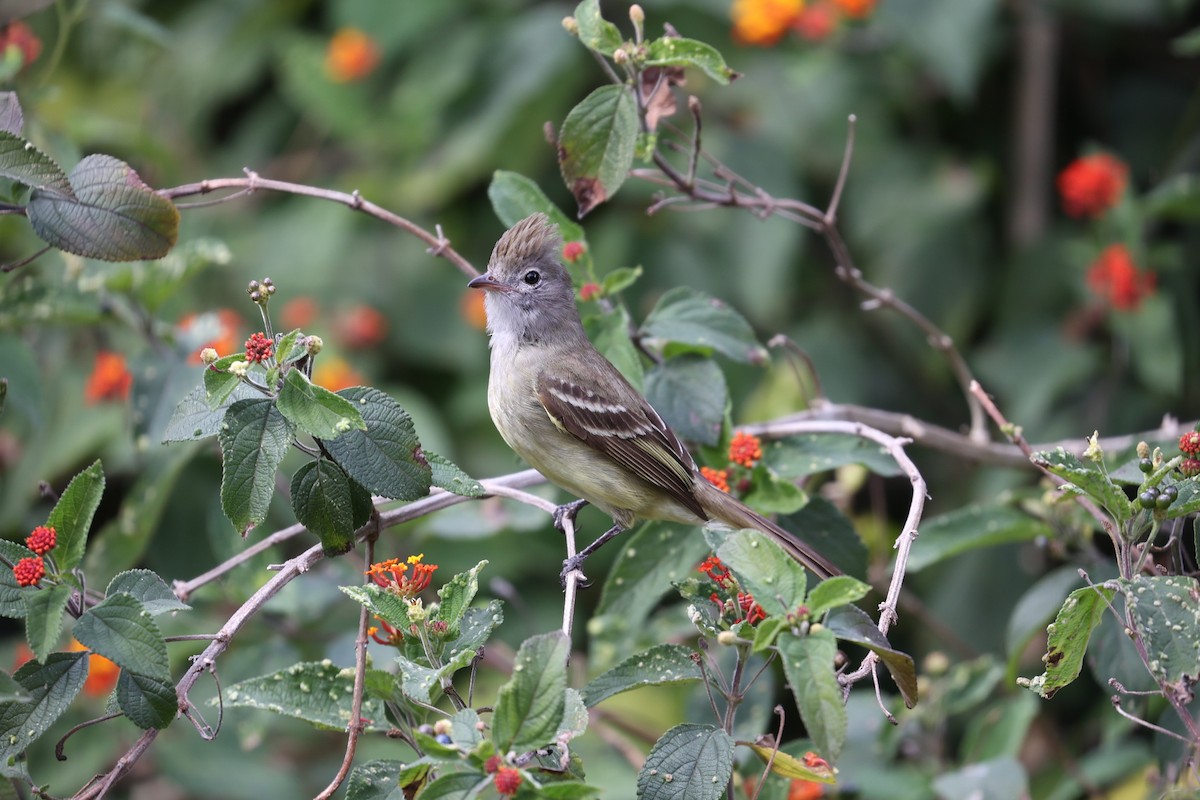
(624, 427)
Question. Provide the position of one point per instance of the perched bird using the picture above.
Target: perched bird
(565, 409)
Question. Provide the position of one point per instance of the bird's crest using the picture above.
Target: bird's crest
(533, 238)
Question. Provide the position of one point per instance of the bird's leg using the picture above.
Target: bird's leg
(567, 511)
(576, 561)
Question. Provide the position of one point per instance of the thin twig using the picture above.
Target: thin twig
(843, 172)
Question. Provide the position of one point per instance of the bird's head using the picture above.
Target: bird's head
(529, 292)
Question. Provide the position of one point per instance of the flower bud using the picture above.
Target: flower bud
(239, 368)
(636, 15)
(571, 25)
(727, 638)
(208, 355)
(620, 56)
(313, 345)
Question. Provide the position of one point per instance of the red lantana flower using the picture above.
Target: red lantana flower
(816, 22)
(361, 326)
(1115, 278)
(1189, 443)
(717, 477)
(572, 251)
(507, 780)
(589, 291)
(1091, 185)
(390, 575)
(42, 540)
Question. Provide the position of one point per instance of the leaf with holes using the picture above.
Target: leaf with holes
(1067, 639)
(108, 213)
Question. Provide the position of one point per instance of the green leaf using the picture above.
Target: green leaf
(418, 681)
(456, 595)
(661, 665)
(568, 790)
(376, 780)
(447, 475)
(122, 630)
(72, 515)
(764, 570)
(1068, 639)
(650, 559)
(1166, 613)
(12, 596)
(386, 458)
(22, 162)
(688, 316)
(51, 688)
(689, 392)
(514, 197)
(800, 456)
(1036, 607)
(771, 494)
(318, 692)
(148, 702)
(390, 607)
(254, 439)
(11, 691)
(44, 618)
(1090, 478)
(998, 779)
(575, 717)
(689, 761)
(609, 332)
(529, 707)
(1188, 501)
(465, 729)
(12, 118)
(455, 786)
(1002, 729)
(596, 33)
(808, 666)
(970, 528)
(147, 588)
(109, 214)
(322, 500)
(219, 382)
(851, 624)
(596, 145)
(619, 280)
(194, 419)
(316, 410)
(767, 631)
(1177, 197)
(675, 51)
(475, 628)
(840, 590)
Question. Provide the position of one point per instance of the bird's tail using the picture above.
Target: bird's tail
(729, 510)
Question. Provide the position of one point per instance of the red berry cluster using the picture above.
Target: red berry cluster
(1091, 185)
(1189, 445)
(258, 348)
(29, 571)
(507, 780)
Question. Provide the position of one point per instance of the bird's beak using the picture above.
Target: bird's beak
(488, 283)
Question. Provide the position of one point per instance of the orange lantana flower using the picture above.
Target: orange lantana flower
(110, 379)
(102, 673)
(352, 55)
(717, 477)
(335, 374)
(228, 334)
(763, 22)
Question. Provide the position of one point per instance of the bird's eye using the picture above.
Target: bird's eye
(532, 277)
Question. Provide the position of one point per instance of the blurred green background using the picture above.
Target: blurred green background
(948, 204)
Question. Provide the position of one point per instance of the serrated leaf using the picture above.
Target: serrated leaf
(109, 214)
(148, 589)
(771, 494)
(389, 607)
(44, 611)
(51, 687)
(12, 118)
(766, 631)
(1188, 501)
(689, 761)
(691, 317)
(219, 382)
(660, 665)
(675, 51)
(447, 475)
(148, 702)
(474, 629)
(791, 768)
(12, 596)
(386, 458)
(596, 145)
(808, 663)
(1089, 478)
(852, 624)
(376, 780)
(840, 590)
(321, 498)
(455, 595)
(194, 419)
(800, 456)
(455, 786)
(765, 570)
(1166, 612)
(529, 707)
(514, 197)
(316, 410)
(319, 692)
(11, 691)
(620, 279)
(22, 162)
(254, 439)
(575, 717)
(690, 393)
(72, 515)
(121, 630)
(969, 528)
(1068, 639)
(465, 729)
(418, 681)
(596, 33)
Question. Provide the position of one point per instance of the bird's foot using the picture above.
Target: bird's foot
(570, 565)
(567, 511)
